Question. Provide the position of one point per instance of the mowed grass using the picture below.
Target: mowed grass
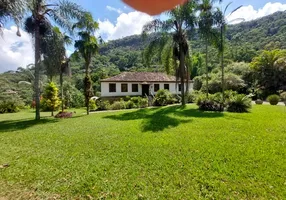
(156, 153)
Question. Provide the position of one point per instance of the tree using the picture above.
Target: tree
(221, 21)
(87, 47)
(39, 25)
(270, 71)
(12, 9)
(206, 23)
(50, 97)
(55, 59)
(171, 43)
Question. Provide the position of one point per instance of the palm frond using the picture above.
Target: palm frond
(153, 26)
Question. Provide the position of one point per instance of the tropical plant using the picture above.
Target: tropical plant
(10, 102)
(221, 22)
(273, 99)
(206, 29)
(39, 25)
(171, 42)
(239, 103)
(162, 98)
(270, 71)
(87, 46)
(55, 59)
(50, 97)
(102, 105)
(209, 103)
(118, 105)
(12, 9)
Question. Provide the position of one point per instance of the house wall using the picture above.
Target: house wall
(105, 89)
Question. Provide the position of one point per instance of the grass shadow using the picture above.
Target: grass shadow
(158, 119)
(16, 125)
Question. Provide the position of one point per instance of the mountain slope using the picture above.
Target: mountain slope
(258, 33)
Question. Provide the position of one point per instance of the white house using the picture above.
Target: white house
(139, 84)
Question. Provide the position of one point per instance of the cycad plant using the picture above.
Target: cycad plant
(171, 42)
(39, 25)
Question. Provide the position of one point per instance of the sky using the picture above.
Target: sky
(117, 20)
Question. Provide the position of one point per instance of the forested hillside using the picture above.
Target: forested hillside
(269, 30)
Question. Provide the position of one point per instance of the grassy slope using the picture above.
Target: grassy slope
(167, 153)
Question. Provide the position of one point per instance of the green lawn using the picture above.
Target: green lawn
(157, 153)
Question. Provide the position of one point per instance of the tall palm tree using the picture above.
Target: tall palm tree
(171, 44)
(87, 47)
(55, 59)
(221, 21)
(39, 25)
(12, 9)
(206, 23)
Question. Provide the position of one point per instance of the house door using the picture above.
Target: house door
(145, 90)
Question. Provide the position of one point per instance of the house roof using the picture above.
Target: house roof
(141, 77)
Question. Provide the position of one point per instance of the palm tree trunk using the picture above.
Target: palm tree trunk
(222, 64)
(182, 72)
(37, 71)
(207, 69)
(62, 90)
(87, 86)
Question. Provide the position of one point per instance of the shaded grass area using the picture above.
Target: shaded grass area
(157, 153)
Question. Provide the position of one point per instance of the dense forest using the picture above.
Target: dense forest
(245, 41)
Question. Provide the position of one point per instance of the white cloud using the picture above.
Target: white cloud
(248, 13)
(119, 11)
(15, 51)
(126, 24)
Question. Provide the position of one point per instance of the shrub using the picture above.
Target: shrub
(239, 103)
(175, 98)
(10, 105)
(143, 103)
(135, 100)
(118, 105)
(92, 105)
(162, 98)
(102, 105)
(209, 104)
(273, 99)
(130, 104)
(191, 98)
(64, 115)
(50, 100)
(259, 102)
(283, 96)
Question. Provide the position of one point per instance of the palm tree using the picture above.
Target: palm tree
(55, 59)
(39, 25)
(12, 9)
(87, 46)
(206, 23)
(171, 44)
(221, 21)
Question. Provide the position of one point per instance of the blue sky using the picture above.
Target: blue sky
(116, 20)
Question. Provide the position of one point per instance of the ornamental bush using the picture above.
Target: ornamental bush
(162, 98)
(102, 105)
(273, 99)
(118, 105)
(239, 103)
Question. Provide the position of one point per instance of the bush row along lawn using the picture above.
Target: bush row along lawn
(155, 153)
